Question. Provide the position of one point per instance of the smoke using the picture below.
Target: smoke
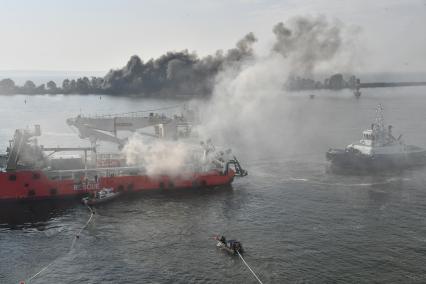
(249, 107)
(176, 73)
(163, 157)
(306, 42)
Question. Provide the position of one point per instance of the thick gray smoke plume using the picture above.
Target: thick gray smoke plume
(176, 73)
(307, 42)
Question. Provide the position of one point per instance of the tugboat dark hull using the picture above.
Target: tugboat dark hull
(342, 159)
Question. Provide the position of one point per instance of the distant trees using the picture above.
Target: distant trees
(82, 85)
(127, 82)
(334, 82)
(97, 84)
(51, 87)
(66, 86)
(7, 86)
(29, 87)
(39, 90)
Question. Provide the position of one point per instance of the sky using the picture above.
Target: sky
(97, 35)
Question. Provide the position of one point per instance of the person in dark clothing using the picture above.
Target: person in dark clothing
(235, 246)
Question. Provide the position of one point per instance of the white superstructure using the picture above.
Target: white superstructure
(378, 140)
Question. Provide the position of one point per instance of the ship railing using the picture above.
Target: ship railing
(93, 173)
(119, 115)
(139, 113)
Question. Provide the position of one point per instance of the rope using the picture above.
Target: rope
(72, 246)
(84, 227)
(254, 274)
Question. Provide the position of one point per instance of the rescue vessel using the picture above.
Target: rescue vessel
(29, 173)
(377, 150)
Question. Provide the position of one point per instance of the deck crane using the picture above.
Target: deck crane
(106, 127)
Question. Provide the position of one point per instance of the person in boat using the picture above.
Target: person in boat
(235, 246)
(221, 239)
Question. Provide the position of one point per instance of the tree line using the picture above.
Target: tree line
(173, 74)
(82, 85)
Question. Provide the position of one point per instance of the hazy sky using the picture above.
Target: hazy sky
(103, 34)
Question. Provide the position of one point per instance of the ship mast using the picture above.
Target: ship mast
(380, 122)
(379, 129)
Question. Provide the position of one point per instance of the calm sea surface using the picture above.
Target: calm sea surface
(298, 222)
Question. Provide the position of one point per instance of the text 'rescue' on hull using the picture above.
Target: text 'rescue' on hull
(28, 171)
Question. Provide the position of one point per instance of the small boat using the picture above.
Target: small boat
(231, 246)
(101, 196)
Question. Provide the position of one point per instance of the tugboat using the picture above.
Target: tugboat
(101, 196)
(377, 150)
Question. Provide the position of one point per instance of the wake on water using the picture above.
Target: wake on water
(319, 182)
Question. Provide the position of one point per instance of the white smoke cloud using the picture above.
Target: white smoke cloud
(159, 156)
(250, 108)
(307, 41)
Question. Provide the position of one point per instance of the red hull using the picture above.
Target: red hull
(35, 185)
